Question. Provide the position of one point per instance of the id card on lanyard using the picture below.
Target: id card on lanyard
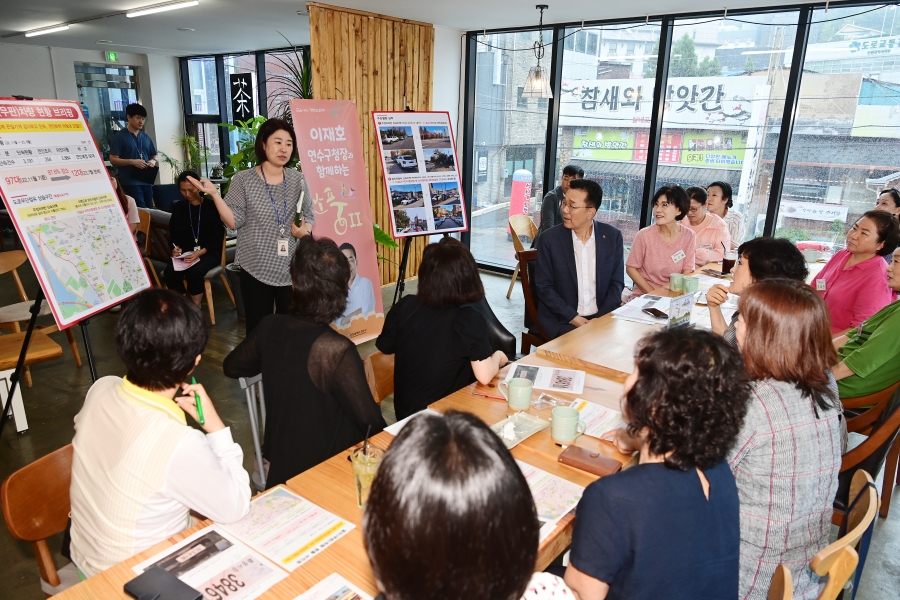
(282, 244)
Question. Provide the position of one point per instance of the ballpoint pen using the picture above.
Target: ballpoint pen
(200, 418)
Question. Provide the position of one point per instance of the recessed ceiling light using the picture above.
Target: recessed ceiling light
(301, 12)
(160, 8)
(104, 41)
(185, 29)
(48, 30)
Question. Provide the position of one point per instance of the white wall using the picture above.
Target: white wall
(49, 72)
(447, 82)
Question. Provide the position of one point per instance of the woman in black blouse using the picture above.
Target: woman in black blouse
(195, 227)
(317, 400)
(441, 344)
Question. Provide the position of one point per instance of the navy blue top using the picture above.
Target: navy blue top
(649, 532)
(128, 146)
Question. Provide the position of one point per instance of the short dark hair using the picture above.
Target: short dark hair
(135, 109)
(888, 230)
(676, 195)
(573, 171)
(320, 280)
(182, 177)
(691, 396)
(727, 192)
(347, 246)
(893, 193)
(697, 193)
(448, 275)
(159, 336)
(450, 514)
(771, 257)
(594, 191)
(265, 132)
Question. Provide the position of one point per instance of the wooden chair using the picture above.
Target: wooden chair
(881, 447)
(218, 271)
(782, 587)
(6, 221)
(859, 519)
(520, 225)
(13, 314)
(840, 573)
(36, 506)
(380, 374)
(144, 227)
(535, 336)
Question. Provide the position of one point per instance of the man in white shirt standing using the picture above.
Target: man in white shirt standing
(361, 297)
(580, 270)
(138, 469)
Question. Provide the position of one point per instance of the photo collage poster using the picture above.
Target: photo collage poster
(421, 173)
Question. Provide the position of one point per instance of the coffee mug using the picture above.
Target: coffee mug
(691, 284)
(517, 392)
(811, 255)
(566, 424)
(676, 282)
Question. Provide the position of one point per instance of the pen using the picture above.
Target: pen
(200, 418)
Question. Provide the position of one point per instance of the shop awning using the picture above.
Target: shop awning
(665, 174)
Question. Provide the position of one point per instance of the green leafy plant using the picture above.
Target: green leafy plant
(382, 237)
(793, 234)
(195, 156)
(295, 82)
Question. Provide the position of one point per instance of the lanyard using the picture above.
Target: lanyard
(281, 222)
(191, 216)
(139, 147)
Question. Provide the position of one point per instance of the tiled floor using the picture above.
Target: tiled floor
(59, 389)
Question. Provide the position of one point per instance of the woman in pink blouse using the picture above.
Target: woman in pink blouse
(711, 230)
(664, 248)
(854, 283)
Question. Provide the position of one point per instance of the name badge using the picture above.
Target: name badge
(282, 247)
(196, 248)
(820, 285)
(678, 256)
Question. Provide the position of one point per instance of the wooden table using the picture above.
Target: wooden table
(330, 485)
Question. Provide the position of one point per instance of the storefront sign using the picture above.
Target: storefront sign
(723, 150)
(813, 211)
(241, 96)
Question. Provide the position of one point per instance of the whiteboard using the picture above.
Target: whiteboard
(56, 188)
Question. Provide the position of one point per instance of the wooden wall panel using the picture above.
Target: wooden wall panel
(373, 60)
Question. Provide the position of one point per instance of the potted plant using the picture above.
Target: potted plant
(165, 195)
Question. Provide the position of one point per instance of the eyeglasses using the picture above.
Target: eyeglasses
(664, 205)
(569, 207)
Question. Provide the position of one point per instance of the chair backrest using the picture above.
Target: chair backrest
(498, 335)
(9, 262)
(526, 257)
(224, 239)
(839, 573)
(782, 587)
(144, 227)
(380, 374)
(160, 247)
(858, 521)
(521, 225)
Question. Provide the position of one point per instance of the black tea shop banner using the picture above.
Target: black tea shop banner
(241, 96)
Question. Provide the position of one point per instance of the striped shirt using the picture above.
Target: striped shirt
(736, 227)
(257, 228)
(785, 462)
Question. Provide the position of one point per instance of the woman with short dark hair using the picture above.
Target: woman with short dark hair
(720, 204)
(261, 205)
(317, 400)
(450, 515)
(441, 343)
(889, 201)
(712, 233)
(854, 283)
(788, 454)
(668, 527)
(665, 247)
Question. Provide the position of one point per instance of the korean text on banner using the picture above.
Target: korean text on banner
(65, 210)
(421, 172)
(331, 153)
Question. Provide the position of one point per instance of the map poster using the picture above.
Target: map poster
(64, 208)
(421, 172)
(331, 152)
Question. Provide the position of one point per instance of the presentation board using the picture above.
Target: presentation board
(421, 173)
(55, 185)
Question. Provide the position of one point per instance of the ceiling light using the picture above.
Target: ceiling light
(104, 41)
(48, 30)
(185, 29)
(160, 8)
(537, 85)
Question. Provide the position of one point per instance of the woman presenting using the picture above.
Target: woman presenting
(261, 204)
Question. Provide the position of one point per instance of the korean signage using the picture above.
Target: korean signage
(241, 96)
(724, 103)
(61, 201)
(813, 211)
(331, 152)
(690, 148)
(421, 173)
(865, 48)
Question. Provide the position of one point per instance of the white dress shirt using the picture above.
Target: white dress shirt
(586, 270)
(360, 297)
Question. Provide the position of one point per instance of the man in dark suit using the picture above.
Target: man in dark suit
(580, 270)
(551, 214)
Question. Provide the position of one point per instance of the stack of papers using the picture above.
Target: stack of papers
(598, 419)
(334, 587)
(554, 379)
(634, 310)
(554, 497)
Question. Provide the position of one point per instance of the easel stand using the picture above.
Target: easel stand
(401, 281)
(20, 365)
(87, 348)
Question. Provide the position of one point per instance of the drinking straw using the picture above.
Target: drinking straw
(366, 442)
(723, 246)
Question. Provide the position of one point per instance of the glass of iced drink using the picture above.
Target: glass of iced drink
(365, 465)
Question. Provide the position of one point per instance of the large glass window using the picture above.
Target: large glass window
(845, 145)
(104, 91)
(282, 80)
(724, 101)
(604, 114)
(203, 88)
(509, 142)
(240, 64)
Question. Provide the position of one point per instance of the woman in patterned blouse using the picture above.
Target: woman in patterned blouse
(788, 453)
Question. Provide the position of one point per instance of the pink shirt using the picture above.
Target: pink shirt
(855, 294)
(711, 233)
(653, 257)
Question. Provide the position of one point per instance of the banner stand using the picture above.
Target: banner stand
(20, 365)
(401, 281)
